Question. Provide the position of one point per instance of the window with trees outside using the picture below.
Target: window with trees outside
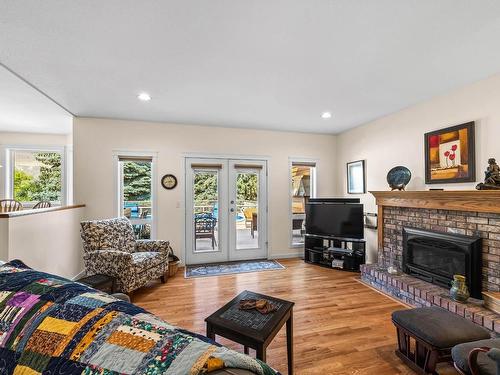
(303, 175)
(37, 175)
(136, 194)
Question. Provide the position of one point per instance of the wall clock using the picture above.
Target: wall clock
(169, 181)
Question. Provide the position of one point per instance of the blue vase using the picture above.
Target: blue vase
(459, 291)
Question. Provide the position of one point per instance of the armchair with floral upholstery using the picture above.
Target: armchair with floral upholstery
(110, 248)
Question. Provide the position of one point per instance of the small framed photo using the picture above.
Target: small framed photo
(450, 155)
(356, 177)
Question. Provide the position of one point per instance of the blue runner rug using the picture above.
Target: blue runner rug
(216, 269)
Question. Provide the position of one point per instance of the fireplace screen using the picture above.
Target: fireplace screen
(442, 258)
(436, 257)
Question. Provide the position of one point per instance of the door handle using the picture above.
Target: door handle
(232, 202)
(232, 210)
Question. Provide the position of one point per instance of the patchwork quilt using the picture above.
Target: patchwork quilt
(50, 325)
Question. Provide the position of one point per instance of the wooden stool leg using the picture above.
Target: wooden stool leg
(402, 342)
(424, 358)
(210, 332)
(421, 354)
(289, 343)
(261, 353)
(432, 361)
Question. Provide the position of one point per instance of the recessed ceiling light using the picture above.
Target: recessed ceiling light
(144, 96)
(326, 115)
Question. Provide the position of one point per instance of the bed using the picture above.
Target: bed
(52, 325)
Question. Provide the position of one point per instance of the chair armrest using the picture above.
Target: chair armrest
(158, 246)
(473, 366)
(115, 263)
(494, 354)
(110, 255)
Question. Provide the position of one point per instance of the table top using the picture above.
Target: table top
(251, 323)
(97, 279)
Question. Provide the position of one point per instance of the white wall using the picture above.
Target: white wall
(46, 241)
(398, 139)
(94, 141)
(9, 138)
(4, 240)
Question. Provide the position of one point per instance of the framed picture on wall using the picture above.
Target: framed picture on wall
(356, 177)
(450, 155)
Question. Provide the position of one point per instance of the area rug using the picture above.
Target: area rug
(217, 269)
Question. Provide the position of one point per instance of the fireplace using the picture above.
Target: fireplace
(435, 257)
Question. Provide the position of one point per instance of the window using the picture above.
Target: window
(136, 193)
(34, 175)
(303, 187)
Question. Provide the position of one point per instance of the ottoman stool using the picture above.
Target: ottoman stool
(426, 336)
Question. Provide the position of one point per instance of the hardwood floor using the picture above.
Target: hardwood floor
(340, 325)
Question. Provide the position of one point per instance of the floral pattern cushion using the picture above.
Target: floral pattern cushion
(153, 245)
(110, 248)
(144, 260)
(116, 234)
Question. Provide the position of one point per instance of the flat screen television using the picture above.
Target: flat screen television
(335, 219)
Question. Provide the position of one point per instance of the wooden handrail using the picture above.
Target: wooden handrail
(8, 215)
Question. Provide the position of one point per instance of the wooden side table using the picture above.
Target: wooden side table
(104, 283)
(251, 328)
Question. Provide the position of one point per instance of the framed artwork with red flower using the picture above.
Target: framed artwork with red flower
(450, 155)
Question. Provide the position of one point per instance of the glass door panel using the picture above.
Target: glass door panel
(247, 209)
(206, 211)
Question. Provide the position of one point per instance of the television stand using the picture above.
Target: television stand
(335, 252)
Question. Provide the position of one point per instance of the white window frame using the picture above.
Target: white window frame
(7, 161)
(314, 186)
(118, 183)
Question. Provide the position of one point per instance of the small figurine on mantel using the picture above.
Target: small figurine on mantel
(492, 177)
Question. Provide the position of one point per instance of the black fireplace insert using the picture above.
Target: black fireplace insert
(435, 257)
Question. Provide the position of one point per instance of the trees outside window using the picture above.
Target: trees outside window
(137, 181)
(37, 176)
(137, 194)
(205, 187)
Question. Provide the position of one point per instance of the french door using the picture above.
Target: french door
(226, 210)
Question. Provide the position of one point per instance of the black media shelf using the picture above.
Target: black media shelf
(335, 252)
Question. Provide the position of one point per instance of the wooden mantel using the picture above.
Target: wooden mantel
(453, 200)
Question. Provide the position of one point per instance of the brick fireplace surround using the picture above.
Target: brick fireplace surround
(474, 213)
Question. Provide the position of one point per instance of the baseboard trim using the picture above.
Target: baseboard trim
(79, 276)
(297, 254)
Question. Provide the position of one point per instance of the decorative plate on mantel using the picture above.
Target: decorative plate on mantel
(398, 177)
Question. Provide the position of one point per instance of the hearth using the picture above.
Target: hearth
(435, 257)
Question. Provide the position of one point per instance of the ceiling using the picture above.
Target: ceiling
(263, 64)
(24, 109)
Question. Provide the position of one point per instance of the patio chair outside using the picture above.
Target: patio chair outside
(204, 225)
(42, 204)
(10, 205)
